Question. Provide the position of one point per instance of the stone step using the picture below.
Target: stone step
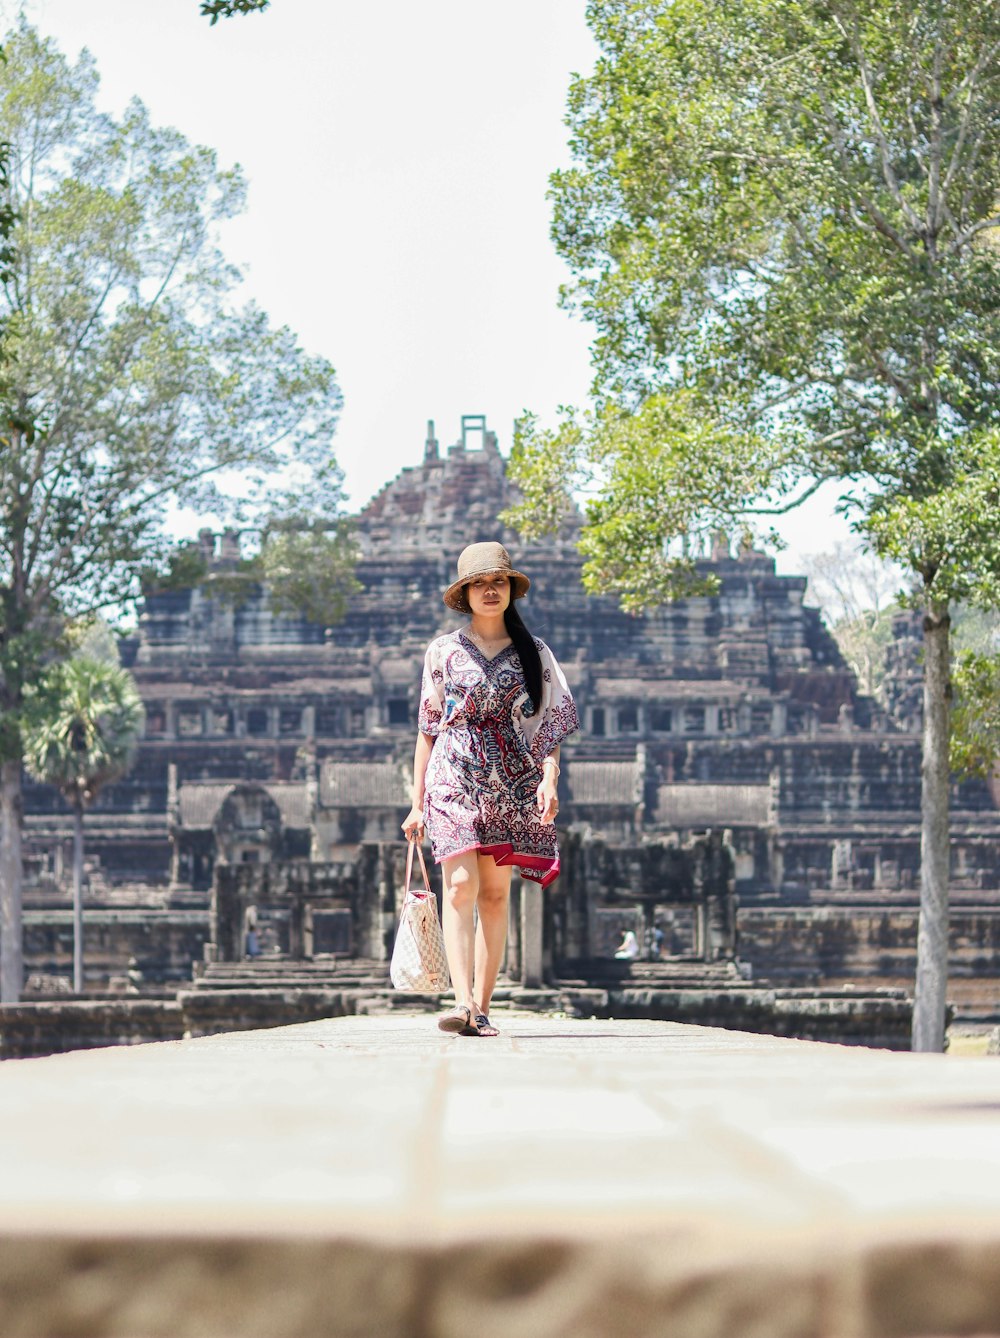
(283, 973)
(666, 972)
(292, 982)
(276, 966)
(656, 1178)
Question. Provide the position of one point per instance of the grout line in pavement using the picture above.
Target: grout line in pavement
(423, 1196)
(738, 1148)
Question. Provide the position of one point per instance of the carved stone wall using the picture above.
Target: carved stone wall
(272, 742)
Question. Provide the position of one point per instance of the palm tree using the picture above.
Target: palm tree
(81, 731)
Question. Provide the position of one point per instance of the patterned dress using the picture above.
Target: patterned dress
(485, 766)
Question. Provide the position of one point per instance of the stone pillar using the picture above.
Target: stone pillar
(532, 965)
(312, 796)
(173, 823)
(701, 918)
(431, 448)
(512, 963)
(391, 866)
(639, 786)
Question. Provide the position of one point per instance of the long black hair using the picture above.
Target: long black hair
(524, 644)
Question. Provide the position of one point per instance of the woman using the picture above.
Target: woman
(494, 709)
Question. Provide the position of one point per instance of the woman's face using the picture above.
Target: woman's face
(488, 595)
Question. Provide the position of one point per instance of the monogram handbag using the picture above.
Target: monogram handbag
(418, 961)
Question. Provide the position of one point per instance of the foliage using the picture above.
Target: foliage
(655, 484)
(133, 379)
(182, 568)
(864, 643)
(975, 741)
(949, 536)
(975, 630)
(775, 221)
(307, 557)
(779, 221)
(7, 216)
(300, 554)
(214, 10)
(309, 570)
(92, 639)
(859, 595)
(82, 722)
(848, 582)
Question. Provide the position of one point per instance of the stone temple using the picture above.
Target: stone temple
(731, 786)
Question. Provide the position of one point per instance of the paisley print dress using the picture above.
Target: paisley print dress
(485, 766)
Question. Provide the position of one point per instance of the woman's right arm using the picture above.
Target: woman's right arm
(413, 824)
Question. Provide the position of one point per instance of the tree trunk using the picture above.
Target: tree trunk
(11, 874)
(78, 898)
(932, 938)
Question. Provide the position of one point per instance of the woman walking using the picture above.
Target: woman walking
(494, 709)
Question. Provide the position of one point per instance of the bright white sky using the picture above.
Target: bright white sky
(397, 156)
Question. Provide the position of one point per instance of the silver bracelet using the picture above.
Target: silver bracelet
(551, 762)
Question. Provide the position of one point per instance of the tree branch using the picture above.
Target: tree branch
(964, 122)
(790, 506)
(934, 177)
(861, 199)
(992, 222)
(888, 172)
(970, 177)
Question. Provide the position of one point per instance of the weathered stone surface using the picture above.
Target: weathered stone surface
(31, 1030)
(230, 997)
(724, 724)
(568, 1180)
(162, 943)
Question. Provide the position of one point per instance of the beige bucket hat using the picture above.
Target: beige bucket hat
(486, 559)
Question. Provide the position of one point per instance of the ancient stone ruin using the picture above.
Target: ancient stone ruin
(731, 795)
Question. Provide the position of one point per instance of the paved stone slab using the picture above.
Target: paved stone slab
(371, 1175)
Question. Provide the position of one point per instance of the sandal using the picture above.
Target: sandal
(483, 1026)
(459, 1020)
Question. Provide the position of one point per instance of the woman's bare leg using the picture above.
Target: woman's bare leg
(491, 934)
(461, 887)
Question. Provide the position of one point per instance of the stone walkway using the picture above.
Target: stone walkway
(371, 1176)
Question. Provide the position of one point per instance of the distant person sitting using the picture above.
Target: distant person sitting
(628, 950)
(655, 943)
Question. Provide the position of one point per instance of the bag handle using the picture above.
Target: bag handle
(414, 844)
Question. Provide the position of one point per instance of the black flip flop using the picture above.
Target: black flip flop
(458, 1021)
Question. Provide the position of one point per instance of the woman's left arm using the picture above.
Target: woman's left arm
(546, 796)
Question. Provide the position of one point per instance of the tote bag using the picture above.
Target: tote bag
(418, 961)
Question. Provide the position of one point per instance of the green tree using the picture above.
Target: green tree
(132, 381)
(7, 216)
(214, 10)
(81, 727)
(975, 741)
(860, 597)
(307, 567)
(779, 220)
(975, 737)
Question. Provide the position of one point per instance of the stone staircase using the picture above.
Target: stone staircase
(667, 973)
(719, 994)
(281, 973)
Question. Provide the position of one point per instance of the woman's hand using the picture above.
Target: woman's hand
(413, 824)
(546, 797)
